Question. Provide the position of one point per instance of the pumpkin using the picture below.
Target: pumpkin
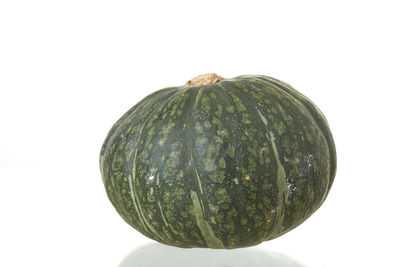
(219, 163)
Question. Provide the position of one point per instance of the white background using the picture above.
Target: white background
(70, 69)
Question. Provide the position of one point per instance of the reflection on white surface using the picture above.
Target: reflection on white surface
(158, 255)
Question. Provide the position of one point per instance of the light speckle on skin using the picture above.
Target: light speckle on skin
(201, 140)
(221, 163)
(207, 125)
(218, 139)
(246, 121)
(222, 196)
(279, 127)
(179, 175)
(218, 113)
(209, 164)
(205, 105)
(217, 176)
(198, 128)
(223, 133)
(230, 151)
(174, 158)
(213, 149)
(230, 109)
(162, 140)
(239, 104)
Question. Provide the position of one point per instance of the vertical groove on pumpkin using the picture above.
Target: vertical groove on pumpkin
(113, 133)
(198, 208)
(132, 179)
(232, 91)
(321, 125)
(319, 120)
(281, 180)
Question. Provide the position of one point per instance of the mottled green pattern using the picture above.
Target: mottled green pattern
(225, 165)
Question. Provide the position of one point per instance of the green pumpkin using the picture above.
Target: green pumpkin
(219, 163)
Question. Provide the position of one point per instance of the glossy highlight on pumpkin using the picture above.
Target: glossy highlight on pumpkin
(225, 163)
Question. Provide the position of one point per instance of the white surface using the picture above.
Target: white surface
(156, 255)
(70, 69)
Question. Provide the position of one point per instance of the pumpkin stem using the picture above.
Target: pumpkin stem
(204, 79)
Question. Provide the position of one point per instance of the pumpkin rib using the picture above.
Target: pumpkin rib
(105, 152)
(320, 120)
(279, 227)
(280, 170)
(309, 209)
(239, 205)
(156, 140)
(318, 116)
(280, 205)
(320, 126)
(198, 196)
(181, 91)
(114, 129)
(164, 110)
(311, 118)
(132, 183)
(130, 178)
(282, 185)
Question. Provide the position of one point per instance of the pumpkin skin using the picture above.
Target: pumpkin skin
(224, 165)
